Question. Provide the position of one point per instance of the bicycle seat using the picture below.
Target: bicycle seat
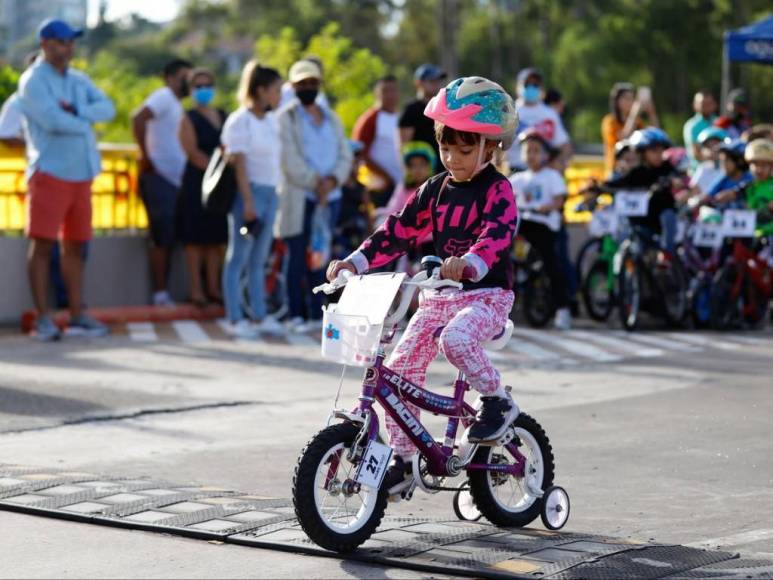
(500, 339)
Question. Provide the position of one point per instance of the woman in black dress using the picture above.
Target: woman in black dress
(202, 232)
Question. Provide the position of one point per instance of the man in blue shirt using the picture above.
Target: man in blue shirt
(60, 105)
(705, 106)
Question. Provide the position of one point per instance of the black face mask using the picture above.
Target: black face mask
(307, 96)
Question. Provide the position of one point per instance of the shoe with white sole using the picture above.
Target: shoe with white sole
(243, 329)
(163, 299)
(271, 325)
(563, 319)
(45, 330)
(85, 325)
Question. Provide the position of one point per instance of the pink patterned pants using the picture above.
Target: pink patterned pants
(469, 318)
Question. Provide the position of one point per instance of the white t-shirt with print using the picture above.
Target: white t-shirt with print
(535, 189)
(258, 140)
(161, 138)
(547, 122)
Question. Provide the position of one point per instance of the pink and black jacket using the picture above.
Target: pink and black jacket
(475, 220)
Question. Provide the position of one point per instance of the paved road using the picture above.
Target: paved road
(657, 435)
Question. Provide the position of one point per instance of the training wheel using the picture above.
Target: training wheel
(555, 507)
(464, 507)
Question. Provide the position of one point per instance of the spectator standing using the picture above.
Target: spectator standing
(288, 92)
(376, 129)
(203, 233)
(59, 106)
(737, 120)
(251, 140)
(624, 117)
(705, 106)
(156, 127)
(534, 114)
(316, 160)
(414, 124)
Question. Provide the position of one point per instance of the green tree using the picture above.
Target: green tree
(9, 80)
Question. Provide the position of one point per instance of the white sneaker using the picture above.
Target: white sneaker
(563, 319)
(294, 323)
(271, 325)
(308, 326)
(243, 329)
(163, 299)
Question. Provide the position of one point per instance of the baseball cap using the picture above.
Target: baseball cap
(429, 72)
(737, 96)
(59, 29)
(302, 70)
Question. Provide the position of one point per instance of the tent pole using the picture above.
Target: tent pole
(725, 76)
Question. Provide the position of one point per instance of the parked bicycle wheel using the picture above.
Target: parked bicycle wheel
(671, 282)
(276, 284)
(598, 294)
(332, 509)
(510, 501)
(700, 302)
(724, 306)
(629, 290)
(586, 258)
(538, 306)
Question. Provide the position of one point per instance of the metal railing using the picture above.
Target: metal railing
(118, 208)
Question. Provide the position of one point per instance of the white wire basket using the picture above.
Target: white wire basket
(349, 339)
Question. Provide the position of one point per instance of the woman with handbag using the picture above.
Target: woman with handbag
(251, 141)
(203, 232)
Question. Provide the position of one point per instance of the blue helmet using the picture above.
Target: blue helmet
(649, 137)
(734, 147)
(711, 133)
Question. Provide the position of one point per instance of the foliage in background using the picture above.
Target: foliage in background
(9, 79)
(583, 47)
(349, 72)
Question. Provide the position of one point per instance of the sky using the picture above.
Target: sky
(157, 10)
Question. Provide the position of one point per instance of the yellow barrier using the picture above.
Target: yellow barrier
(118, 208)
(116, 202)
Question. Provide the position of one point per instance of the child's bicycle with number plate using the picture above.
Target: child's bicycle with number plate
(338, 489)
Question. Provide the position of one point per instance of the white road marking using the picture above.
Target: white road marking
(190, 331)
(746, 339)
(717, 341)
(735, 539)
(574, 346)
(142, 331)
(657, 341)
(620, 343)
(537, 352)
(300, 339)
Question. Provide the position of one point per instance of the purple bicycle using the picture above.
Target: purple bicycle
(338, 494)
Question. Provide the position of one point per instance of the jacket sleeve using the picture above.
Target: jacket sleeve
(397, 234)
(500, 219)
(344, 165)
(41, 106)
(294, 167)
(99, 107)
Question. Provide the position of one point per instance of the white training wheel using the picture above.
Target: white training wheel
(555, 507)
(464, 507)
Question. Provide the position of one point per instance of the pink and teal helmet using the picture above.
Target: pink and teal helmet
(476, 105)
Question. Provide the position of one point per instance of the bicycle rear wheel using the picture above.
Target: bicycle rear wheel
(597, 293)
(510, 501)
(672, 283)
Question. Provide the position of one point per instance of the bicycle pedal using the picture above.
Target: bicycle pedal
(506, 438)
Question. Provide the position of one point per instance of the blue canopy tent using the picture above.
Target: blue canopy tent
(752, 43)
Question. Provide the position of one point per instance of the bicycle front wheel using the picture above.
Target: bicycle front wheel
(629, 283)
(597, 292)
(335, 512)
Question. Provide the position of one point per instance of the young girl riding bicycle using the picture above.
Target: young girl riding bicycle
(471, 213)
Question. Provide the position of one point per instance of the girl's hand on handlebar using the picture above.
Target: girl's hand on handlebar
(453, 268)
(336, 266)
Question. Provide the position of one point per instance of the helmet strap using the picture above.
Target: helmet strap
(479, 165)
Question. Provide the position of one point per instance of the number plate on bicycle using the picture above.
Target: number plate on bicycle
(739, 223)
(632, 203)
(374, 464)
(707, 235)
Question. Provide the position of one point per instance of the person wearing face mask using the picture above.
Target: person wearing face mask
(533, 113)
(737, 120)
(155, 125)
(203, 233)
(316, 160)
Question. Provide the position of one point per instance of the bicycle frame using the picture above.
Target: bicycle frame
(385, 386)
(750, 267)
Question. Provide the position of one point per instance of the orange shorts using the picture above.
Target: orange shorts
(58, 209)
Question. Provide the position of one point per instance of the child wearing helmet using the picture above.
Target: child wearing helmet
(657, 174)
(540, 193)
(709, 170)
(470, 211)
(625, 158)
(724, 194)
(759, 194)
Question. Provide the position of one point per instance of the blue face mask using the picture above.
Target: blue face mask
(531, 93)
(203, 95)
